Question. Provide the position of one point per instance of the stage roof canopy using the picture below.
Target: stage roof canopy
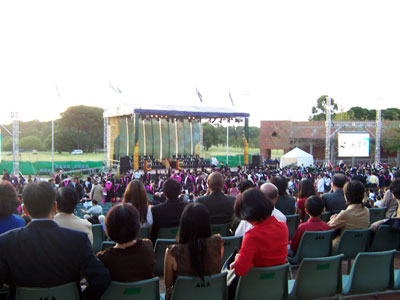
(175, 111)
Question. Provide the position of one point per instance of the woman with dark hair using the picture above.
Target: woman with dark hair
(285, 203)
(136, 194)
(196, 253)
(306, 189)
(8, 206)
(266, 243)
(130, 259)
(355, 216)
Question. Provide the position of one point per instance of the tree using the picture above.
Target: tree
(30, 143)
(64, 140)
(209, 137)
(391, 114)
(86, 125)
(391, 138)
(358, 113)
(319, 111)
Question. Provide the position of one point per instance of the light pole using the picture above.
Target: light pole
(15, 142)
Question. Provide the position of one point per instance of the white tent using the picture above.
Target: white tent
(297, 157)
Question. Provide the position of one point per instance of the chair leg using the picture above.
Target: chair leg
(290, 272)
(348, 266)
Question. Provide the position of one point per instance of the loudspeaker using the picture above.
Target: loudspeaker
(255, 160)
(124, 164)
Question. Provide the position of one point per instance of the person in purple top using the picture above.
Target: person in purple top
(8, 205)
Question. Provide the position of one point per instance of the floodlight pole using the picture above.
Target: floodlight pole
(328, 125)
(52, 147)
(15, 142)
(227, 145)
(378, 137)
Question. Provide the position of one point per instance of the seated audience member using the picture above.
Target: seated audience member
(136, 194)
(334, 201)
(285, 203)
(8, 206)
(270, 191)
(167, 214)
(306, 189)
(245, 184)
(50, 255)
(197, 253)
(355, 216)
(94, 210)
(395, 193)
(265, 244)
(314, 207)
(389, 201)
(67, 199)
(219, 206)
(130, 259)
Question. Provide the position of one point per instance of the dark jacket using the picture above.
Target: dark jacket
(286, 204)
(43, 254)
(167, 214)
(334, 201)
(219, 206)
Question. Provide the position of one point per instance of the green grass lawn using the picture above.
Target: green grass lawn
(221, 150)
(46, 156)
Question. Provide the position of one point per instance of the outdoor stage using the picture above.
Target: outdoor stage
(162, 136)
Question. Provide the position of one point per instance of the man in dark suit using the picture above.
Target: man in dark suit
(219, 206)
(167, 214)
(334, 201)
(42, 254)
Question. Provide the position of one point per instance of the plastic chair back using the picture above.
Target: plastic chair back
(292, 222)
(271, 281)
(385, 238)
(353, 241)
(313, 244)
(144, 233)
(318, 278)
(222, 229)
(67, 291)
(105, 245)
(231, 243)
(167, 233)
(139, 290)
(159, 251)
(325, 216)
(97, 231)
(193, 288)
(376, 214)
(371, 272)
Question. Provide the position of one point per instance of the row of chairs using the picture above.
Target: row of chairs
(293, 221)
(231, 243)
(317, 278)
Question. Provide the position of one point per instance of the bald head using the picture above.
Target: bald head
(270, 191)
(216, 182)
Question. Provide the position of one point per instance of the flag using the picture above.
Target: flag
(115, 89)
(230, 96)
(199, 95)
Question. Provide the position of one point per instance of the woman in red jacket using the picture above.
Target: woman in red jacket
(266, 243)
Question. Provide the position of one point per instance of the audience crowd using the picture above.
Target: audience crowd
(46, 234)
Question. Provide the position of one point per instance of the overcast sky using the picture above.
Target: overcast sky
(276, 57)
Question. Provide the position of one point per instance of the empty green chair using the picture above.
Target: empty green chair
(352, 242)
(67, 291)
(292, 222)
(97, 231)
(317, 278)
(167, 233)
(271, 281)
(105, 245)
(222, 229)
(376, 214)
(139, 290)
(144, 233)
(231, 243)
(372, 272)
(159, 251)
(385, 238)
(193, 288)
(313, 244)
